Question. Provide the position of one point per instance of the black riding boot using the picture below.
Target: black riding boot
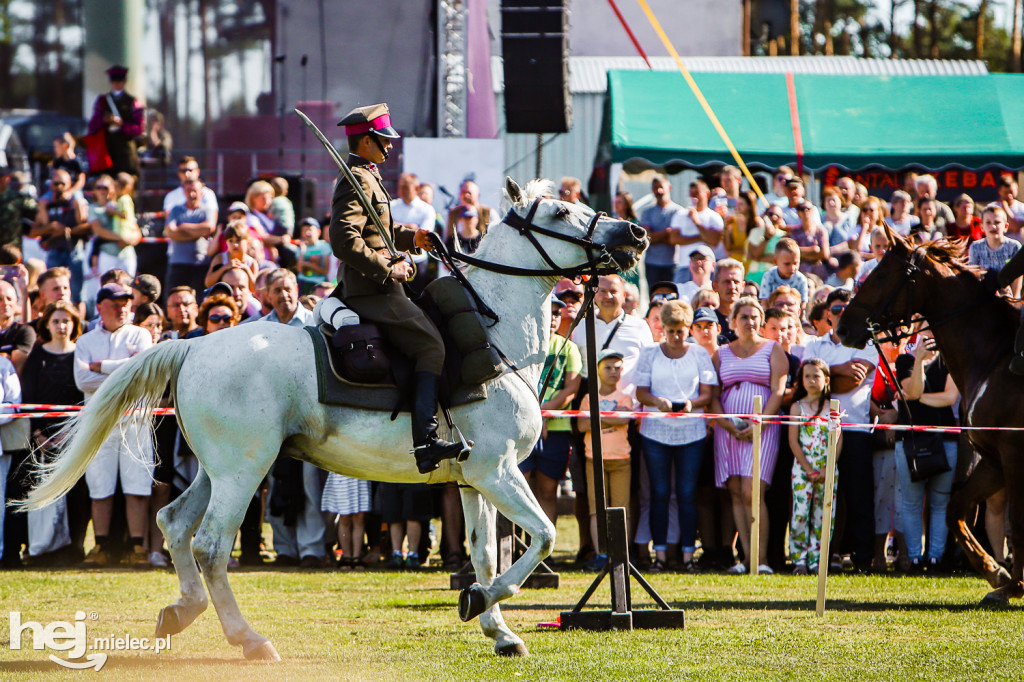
(427, 447)
(1017, 363)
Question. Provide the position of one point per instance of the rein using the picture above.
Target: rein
(596, 264)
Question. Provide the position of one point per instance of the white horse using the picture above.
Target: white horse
(250, 393)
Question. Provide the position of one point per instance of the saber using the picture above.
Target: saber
(385, 234)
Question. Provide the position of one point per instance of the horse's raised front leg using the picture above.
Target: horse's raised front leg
(1013, 469)
(506, 488)
(179, 521)
(229, 499)
(983, 482)
(483, 541)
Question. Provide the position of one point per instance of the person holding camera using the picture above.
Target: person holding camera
(674, 376)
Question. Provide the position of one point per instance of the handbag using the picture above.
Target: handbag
(926, 455)
(96, 151)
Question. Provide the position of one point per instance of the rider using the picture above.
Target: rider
(370, 282)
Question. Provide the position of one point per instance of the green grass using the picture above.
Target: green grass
(378, 625)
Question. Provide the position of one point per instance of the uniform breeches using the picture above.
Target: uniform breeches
(405, 326)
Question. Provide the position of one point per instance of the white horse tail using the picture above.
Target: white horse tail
(137, 385)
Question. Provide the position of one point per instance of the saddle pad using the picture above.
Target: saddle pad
(335, 390)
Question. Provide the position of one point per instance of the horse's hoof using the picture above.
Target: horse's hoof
(264, 651)
(167, 623)
(994, 600)
(472, 602)
(514, 649)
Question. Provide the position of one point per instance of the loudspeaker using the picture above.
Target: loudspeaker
(535, 50)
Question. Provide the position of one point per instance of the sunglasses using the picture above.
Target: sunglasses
(664, 297)
(217, 319)
(188, 168)
(837, 309)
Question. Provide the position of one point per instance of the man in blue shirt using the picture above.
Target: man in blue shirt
(188, 226)
(660, 258)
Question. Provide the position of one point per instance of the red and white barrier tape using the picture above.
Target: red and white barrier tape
(47, 411)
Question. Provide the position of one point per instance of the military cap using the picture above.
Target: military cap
(372, 119)
(117, 72)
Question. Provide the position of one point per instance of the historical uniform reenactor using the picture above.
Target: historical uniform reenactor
(370, 280)
(123, 118)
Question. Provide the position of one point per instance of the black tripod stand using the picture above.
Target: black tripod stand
(611, 527)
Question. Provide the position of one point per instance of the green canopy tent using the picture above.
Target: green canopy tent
(854, 122)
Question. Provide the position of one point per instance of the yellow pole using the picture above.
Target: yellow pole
(700, 98)
(826, 513)
(755, 494)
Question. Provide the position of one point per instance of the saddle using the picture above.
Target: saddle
(357, 367)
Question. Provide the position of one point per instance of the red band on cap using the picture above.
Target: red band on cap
(378, 123)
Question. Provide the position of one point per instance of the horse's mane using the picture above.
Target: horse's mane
(949, 252)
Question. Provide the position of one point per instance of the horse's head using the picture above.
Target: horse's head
(888, 298)
(563, 238)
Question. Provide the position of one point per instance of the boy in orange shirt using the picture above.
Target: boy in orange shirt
(614, 444)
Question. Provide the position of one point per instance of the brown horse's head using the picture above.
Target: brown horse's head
(888, 297)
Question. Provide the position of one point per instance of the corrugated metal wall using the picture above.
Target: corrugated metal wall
(570, 153)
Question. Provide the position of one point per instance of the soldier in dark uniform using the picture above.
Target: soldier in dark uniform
(371, 284)
(123, 117)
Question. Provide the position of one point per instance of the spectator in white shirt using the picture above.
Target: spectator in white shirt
(408, 210)
(701, 271)
(698, 224)
(128, 451)
(188, 170)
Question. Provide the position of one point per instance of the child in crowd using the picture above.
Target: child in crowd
(786, 271)
(781, 326)
(349, 498)
(117, 253)
(281, 208)
(846, 273)
(706, 298)
(878, 244)
(314, 255)
(992, 252)
(236, 238)
(809, 443)
(705, 329)
(817, 320)
(614, 443)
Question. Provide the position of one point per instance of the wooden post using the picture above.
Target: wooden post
(826, 513)
(755, 492)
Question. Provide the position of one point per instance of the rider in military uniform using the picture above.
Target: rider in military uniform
(370, 283)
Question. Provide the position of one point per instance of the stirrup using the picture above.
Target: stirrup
(430, 454)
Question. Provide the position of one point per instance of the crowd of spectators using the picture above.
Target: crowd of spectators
(737, 297)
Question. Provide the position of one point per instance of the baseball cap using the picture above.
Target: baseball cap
(147, 285)
(703, 250)
(704, 314)
(568, 293)
(238, 206)
(218, 288)
(609, 353)
(666, 285)
(112, 290)
(310, 221)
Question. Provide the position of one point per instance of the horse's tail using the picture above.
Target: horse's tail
(137, 385)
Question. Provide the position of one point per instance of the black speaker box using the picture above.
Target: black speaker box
(535, 50)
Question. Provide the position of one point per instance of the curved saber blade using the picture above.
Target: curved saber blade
(385, 233)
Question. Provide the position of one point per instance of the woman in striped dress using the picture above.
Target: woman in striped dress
(350, 498)
(749, 366)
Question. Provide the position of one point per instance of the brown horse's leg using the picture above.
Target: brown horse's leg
(1012, 471)
(983, 482)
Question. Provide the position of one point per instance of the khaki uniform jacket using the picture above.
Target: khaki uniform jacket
(354, 237)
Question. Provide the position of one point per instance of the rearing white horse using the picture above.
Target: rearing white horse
(237, 416)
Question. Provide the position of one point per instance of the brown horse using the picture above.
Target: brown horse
(974, 330)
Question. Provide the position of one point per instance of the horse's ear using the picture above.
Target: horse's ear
(515, 194)
(889, 234)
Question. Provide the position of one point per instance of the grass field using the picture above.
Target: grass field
(389, 626)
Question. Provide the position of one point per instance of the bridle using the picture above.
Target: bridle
(599, 260)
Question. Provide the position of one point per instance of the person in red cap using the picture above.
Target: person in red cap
(371, 284)
(123, 118)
